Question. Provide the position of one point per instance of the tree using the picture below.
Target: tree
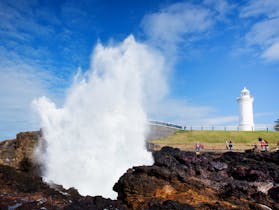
(276, 126)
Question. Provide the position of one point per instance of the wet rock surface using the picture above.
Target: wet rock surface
(177, 180)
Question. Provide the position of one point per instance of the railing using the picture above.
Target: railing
(211, 127)
(152, 122)
(227, 128)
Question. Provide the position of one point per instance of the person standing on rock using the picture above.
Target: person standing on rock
(263, 145)
(230, 145)
(266, 145)
(198, 146)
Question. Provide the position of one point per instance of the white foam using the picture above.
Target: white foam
(100, 131)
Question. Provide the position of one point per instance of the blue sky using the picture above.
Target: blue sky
(214, 48)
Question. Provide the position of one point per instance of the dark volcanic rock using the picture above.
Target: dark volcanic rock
(24, 191)
(177, 180)
(95, 203)
(22, 187)
(205, 181)
(274, 194)
(169, 204)
(259, 167)
(19, 181)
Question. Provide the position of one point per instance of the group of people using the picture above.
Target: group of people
(261, 146)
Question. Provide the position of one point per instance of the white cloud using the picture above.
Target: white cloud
(20, 82)
(176, 26)
(264, 33)
(220, 7)
(264, 119)
(18, 86)
(182, 23)
(268, 8)
(19, 20)
(272, 53)
(223, 120)
(179, 111)
(176, 23)
(183, 113)
(26, 66)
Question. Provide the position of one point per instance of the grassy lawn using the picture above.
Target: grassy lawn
(216, 139)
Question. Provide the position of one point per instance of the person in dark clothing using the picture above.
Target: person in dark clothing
(230, 145)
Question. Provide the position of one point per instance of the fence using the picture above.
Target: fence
(228, 128)
(212, 127)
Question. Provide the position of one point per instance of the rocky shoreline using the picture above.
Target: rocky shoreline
(177, 180)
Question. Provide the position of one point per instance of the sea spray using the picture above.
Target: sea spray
(100, 131)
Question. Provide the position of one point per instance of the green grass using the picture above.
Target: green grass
(247, 138)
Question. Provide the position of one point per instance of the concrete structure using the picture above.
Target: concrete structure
(245, 101)
(159, 131)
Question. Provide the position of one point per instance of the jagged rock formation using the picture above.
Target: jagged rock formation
(21, 190)
(22, 187)
(20, 151)
(178, 180)
(206, 181)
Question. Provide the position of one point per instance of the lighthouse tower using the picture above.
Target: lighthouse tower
(245, 101)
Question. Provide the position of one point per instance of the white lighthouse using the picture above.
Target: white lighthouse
(245, 101)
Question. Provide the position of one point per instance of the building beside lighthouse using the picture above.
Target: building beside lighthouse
(245, 102)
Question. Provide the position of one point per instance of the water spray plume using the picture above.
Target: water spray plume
(100, 131)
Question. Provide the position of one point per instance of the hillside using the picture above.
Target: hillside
(216, 139)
